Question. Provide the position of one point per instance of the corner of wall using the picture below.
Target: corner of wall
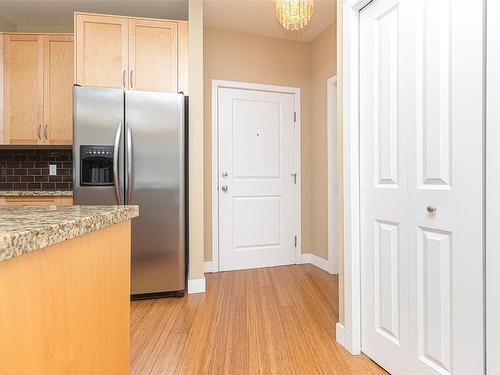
(196, 202)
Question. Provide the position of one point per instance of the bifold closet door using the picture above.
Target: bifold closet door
(421, 133)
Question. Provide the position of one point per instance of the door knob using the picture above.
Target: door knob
(224, 174)
(224, 188)
(431, 209)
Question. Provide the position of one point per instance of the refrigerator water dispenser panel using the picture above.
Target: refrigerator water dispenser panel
(96, 164)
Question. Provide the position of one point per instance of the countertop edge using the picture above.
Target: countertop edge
(27, 241)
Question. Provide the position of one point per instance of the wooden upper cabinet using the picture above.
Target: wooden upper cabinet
(23, 89)
(182, 57)
(152, 55)
(58, 82)
(101, 50)
(130, 52)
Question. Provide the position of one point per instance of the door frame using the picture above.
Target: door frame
(492, 186)
(351, 335)
(331, 118)
(295, 91)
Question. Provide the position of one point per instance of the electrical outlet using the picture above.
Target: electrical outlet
(52, 170)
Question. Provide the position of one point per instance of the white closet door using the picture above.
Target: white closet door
(445, 172)
(383, 177)
(421, 134)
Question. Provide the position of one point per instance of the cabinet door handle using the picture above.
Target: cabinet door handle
(38, 132)
(123, 78)
(131, 79)
(45, 132)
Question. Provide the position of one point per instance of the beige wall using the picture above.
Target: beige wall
(196, 224)
(323, 66)
(246, 57)
(6, 25)
(236, 56)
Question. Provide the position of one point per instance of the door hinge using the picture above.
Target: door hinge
(294, 176)
(294, 116)
(295, 241)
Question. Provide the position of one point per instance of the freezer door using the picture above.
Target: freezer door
(154, 137)
(98, 120)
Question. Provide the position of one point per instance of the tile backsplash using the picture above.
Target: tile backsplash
(28, 169)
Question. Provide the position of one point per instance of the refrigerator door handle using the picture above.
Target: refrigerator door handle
(116, 176)
(129, 165)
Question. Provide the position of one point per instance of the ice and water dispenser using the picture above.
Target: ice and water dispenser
(96, 165)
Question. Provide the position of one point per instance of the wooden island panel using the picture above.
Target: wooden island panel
(65, 308)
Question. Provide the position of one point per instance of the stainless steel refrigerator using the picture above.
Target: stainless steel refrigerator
(129, 149)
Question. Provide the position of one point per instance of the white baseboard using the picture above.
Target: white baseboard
(196, 286)
(316, 261)
(305, 258)
(339, 330)
(321, 263)
(207, 267)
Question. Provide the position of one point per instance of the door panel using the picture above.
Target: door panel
(446, 124)
(386, 256)
(434, 298)
(58, 86)
(383, 184)
(256, 152)
(153, 55)
(102, 51)
(433, 96)
(23, 85)
(421, 174)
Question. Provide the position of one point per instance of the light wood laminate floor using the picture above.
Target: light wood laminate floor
(277, 320)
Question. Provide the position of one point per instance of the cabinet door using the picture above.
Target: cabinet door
(58, 83)
(183, 58)
(153, 55)
(23, 89)
(101, 50)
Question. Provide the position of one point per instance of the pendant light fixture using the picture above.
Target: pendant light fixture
(294, 14)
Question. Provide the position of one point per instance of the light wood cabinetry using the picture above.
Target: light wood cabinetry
(23, 89)
(57, 85)
(131, 53)
(152, 55)
(37, 89)
(101, 50)
(66, 308)
(182, 54)
(36, 200)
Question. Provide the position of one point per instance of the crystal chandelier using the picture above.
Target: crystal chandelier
(294, 14)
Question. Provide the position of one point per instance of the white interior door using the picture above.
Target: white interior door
(421, 158)
(258, 205)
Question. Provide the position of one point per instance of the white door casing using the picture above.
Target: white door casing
(421, 148)
(493, 190)
(258, 204)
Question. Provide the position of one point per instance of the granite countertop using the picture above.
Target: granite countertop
(36, 193)
(27, 228)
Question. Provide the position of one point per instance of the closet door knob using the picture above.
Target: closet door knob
(431, 209)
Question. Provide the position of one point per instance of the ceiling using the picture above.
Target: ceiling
(58, 14)
(258, 17)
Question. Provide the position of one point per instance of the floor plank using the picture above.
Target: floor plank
(277, 320)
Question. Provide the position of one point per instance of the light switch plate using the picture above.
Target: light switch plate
(52, 170)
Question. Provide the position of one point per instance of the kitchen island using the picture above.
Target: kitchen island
(65, 289)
